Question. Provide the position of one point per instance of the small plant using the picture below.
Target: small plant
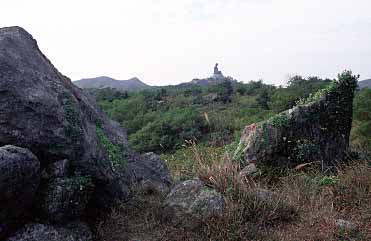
(327, 181)
(81, 181)
(305, 150)
(280, 120)
(72, 129)
(116, 153)
(318, 95)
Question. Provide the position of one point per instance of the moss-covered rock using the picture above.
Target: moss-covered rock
(64, 199)
(190, 202)
(317, 129)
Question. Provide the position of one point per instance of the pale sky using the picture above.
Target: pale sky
(172, 41)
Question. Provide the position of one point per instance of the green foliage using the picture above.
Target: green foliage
(305, 150)
(81, 181)
(170, 131)
(280, 120)
(72, 129)
(108, 94)
(162, 119)
(361, 132)
(328, 181)
(317, 95)
(116, 153)
(224, 91)
(263, 99)
(319, 180)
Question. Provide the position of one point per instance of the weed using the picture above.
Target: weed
(72, 130)
(116, 153)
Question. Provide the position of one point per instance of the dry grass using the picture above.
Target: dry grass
(305, 207)
(140, 219)
(300, 206)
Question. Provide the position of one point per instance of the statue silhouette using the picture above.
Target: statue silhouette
(216, 70)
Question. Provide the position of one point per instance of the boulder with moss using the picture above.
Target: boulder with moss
(190, 202)
(317, 129)
(64, 199)
(42, 110)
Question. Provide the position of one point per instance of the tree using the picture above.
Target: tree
(361, 132)
(263, 99)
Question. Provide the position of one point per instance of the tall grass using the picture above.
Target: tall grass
(296, 205)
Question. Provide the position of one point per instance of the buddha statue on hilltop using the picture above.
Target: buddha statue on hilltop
(216, 70)
(217, 73)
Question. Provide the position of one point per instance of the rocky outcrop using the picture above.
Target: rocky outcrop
(19, 180)
(43, 111)
(191, 202)
(75, 231)
(317, 129)
(83, 157)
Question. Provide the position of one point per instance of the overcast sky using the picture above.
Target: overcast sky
(172, 41)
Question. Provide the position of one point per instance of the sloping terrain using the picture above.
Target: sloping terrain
(102, 82)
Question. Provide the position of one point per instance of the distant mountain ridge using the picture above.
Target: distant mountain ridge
(364, 84)
(132, 84)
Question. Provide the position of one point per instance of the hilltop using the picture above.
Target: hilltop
(364, 84)
(133, 84)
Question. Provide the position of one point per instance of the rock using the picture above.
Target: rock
(190, 202)
(265, 195)
(153, 163)
(45, 112)
(75, 231)
(315, 130)
(346, 227)
(57, 169)
(19, 181)
(64, 199)
(249, 170)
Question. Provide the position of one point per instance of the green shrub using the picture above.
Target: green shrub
(116, 153)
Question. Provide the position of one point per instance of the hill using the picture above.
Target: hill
(132, 84)
(364, 84)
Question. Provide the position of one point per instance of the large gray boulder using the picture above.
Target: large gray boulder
(317, 129)
(191, 202)
(43, 111)
(75, 231)
(19, 181)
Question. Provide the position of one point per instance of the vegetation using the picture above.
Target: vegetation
(361, 131)
(161, 120)
(116, 153)
(196, 129)
(72, 128)
(297, 205)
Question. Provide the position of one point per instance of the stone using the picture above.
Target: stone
(19, 181)
(76, 231)
(44, 111)
(64, 199)
(317, 129)
(249, 170)
(190, 202)
(265, 195)
(346, 227)
(57, 169)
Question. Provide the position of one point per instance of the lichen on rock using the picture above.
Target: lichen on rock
(317, 129)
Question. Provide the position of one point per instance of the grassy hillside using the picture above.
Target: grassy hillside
(196, 129)
(161, 120)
